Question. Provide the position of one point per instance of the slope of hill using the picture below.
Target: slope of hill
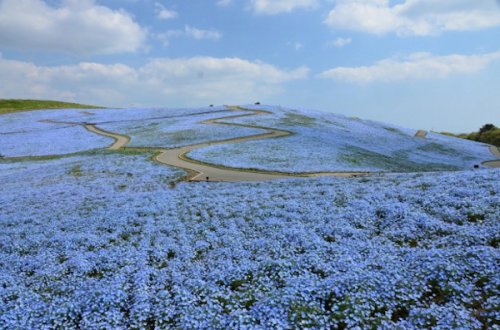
(55, 132)
(16, 105)
(110, 239)
(326, 142)
(319, 142)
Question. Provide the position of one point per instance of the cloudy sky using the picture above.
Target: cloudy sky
(431, 64)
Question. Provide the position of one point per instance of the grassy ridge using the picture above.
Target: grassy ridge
(16, 105)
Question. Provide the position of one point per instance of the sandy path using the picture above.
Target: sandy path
(421, 133)
(496, 162)
(210, 172)
(200, 171)
(494, 150)
(120, 140)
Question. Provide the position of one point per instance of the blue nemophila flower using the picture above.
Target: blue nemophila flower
(399, 251)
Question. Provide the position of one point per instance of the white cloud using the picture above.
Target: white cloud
(189, 32)
(80, 27)
(163, 81)
(414, 66)
(272, 7)
(201, 34)
(414, 17)
(340, 42)
(164, 13)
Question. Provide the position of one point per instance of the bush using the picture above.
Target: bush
(488, 133)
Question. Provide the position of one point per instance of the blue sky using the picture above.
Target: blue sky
(431, 64)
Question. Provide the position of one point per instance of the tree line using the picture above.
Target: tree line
(488, 133)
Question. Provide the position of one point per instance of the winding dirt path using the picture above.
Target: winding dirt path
(494, 150)
(496, 162)
(201, 171)
(120, 140)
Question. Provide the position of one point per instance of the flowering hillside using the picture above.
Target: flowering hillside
(177, 131)
(110, 241)
(32, 133)
(319, 141)
(328, 142)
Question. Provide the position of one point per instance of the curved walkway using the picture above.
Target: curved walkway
(496, 162)
(200, 171)
(494, 150)
(120, 140)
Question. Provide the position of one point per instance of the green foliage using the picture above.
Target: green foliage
(449, 134)
(295, 119)
(76, 171)
(486, 128)
(491, 137)
(182, 135)
(14, 105)
(394, 130)
(439, 148)
(475, 217)
(399, 161)
(489, 133)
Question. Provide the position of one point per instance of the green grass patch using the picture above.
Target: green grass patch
(183, 135)
(131, 151)
(295, 119)
(439, 148)
(10, 160)
(334, 123)
(394, 130)
(76, 171)
(18, 105)
(123, 151)
(397, 162)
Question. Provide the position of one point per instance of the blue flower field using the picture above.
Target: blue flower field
(325, 141)
(113, 242)
(102, 239)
